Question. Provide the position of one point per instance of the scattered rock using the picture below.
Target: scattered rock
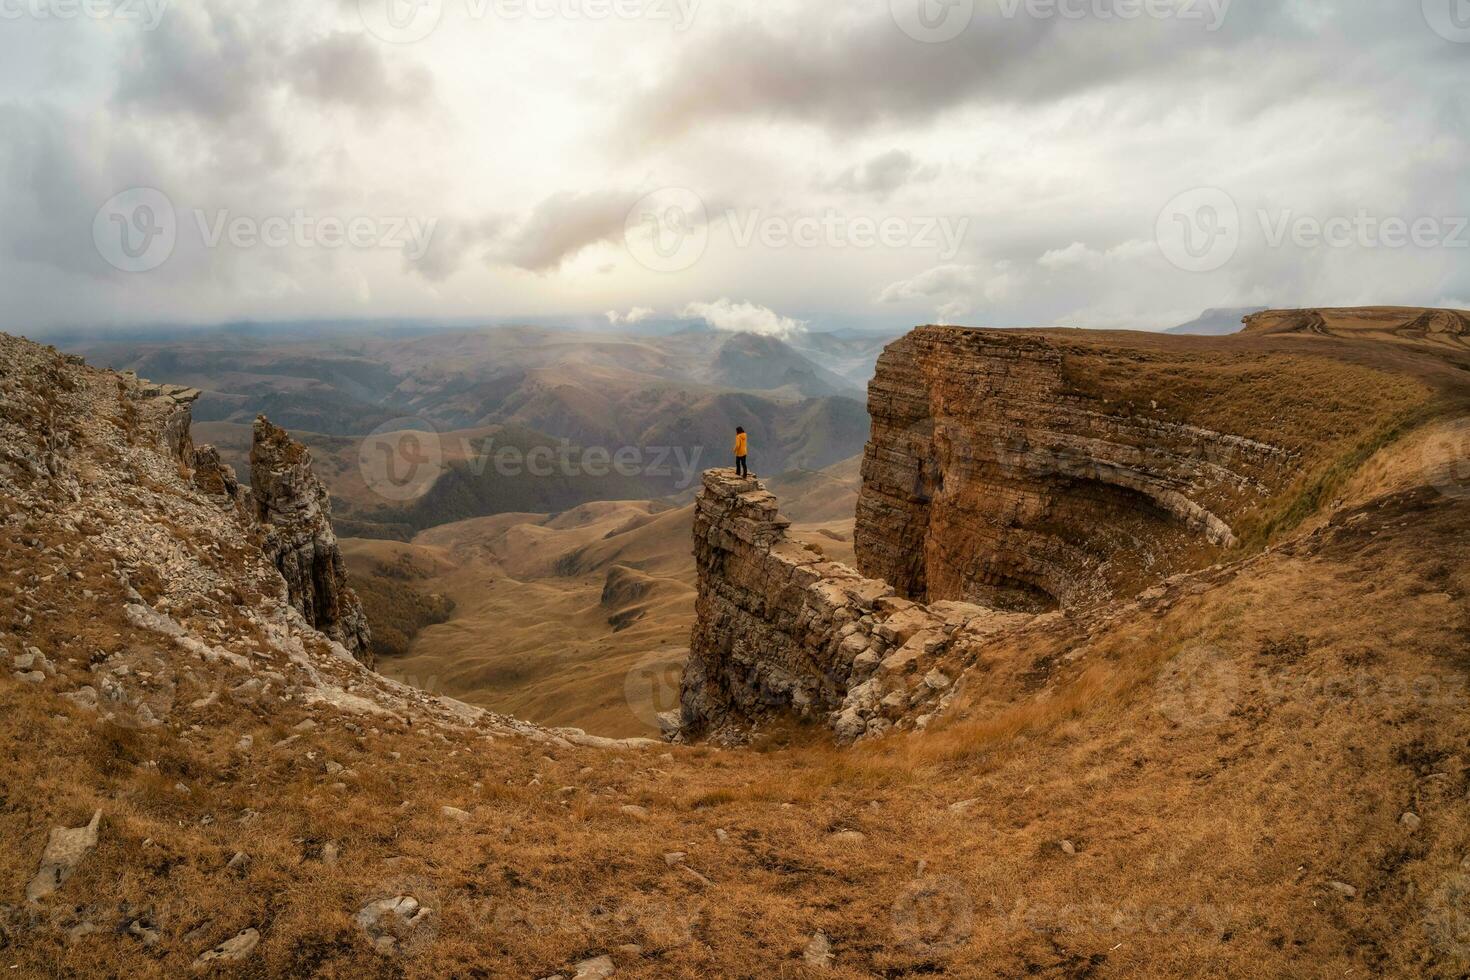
(1343, 888)
(597, 968)
(674, 857)
(80, 931)
(936, 681)
(1410, 821)
(146, 934)
(231, 950)
(455, 813)
(389, 921)
(818, 952)
(83, 697)
(1068, 848)
(239, 862)
(64, 851)
(634, 810)
(962, 806)
(849, 837)
(698, 878)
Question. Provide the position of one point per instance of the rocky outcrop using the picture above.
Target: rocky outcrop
(294, 511)
(781, 629)
(997, 474)
(1009, 475)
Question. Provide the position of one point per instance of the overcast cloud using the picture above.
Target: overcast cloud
(232, 159)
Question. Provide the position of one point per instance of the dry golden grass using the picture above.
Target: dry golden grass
(1214, 763)
(1203, 843)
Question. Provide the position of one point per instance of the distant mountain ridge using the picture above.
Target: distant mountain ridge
(1217, 322)
(521, 387)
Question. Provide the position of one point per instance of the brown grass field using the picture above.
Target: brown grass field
(1262, 772)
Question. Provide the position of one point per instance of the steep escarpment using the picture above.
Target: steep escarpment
(781, 629)
(294, 511)
(1018, 482)
(995, 475)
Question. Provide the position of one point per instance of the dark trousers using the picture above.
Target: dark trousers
(740, 468)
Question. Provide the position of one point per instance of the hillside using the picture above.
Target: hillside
(576, 618)
(1252, 768)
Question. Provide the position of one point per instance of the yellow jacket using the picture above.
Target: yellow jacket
(740, 444)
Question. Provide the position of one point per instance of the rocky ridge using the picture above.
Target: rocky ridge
(98, 475)
(782, 629)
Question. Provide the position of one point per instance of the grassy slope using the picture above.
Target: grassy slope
(1209, 806)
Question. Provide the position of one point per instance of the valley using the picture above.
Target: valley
(580, 618)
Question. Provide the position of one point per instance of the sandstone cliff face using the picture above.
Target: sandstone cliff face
(294, 511)
(781, 629)
(994, 475)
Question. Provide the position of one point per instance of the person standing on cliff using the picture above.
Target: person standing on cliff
(741, 445)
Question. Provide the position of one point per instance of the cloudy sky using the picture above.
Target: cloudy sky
(760, 164)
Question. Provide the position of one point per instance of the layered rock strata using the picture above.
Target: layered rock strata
(294, 511)
(781, 629)
(993, 475)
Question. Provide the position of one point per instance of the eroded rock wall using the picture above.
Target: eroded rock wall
(993, 476)
(780, 629)
(294, 511)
